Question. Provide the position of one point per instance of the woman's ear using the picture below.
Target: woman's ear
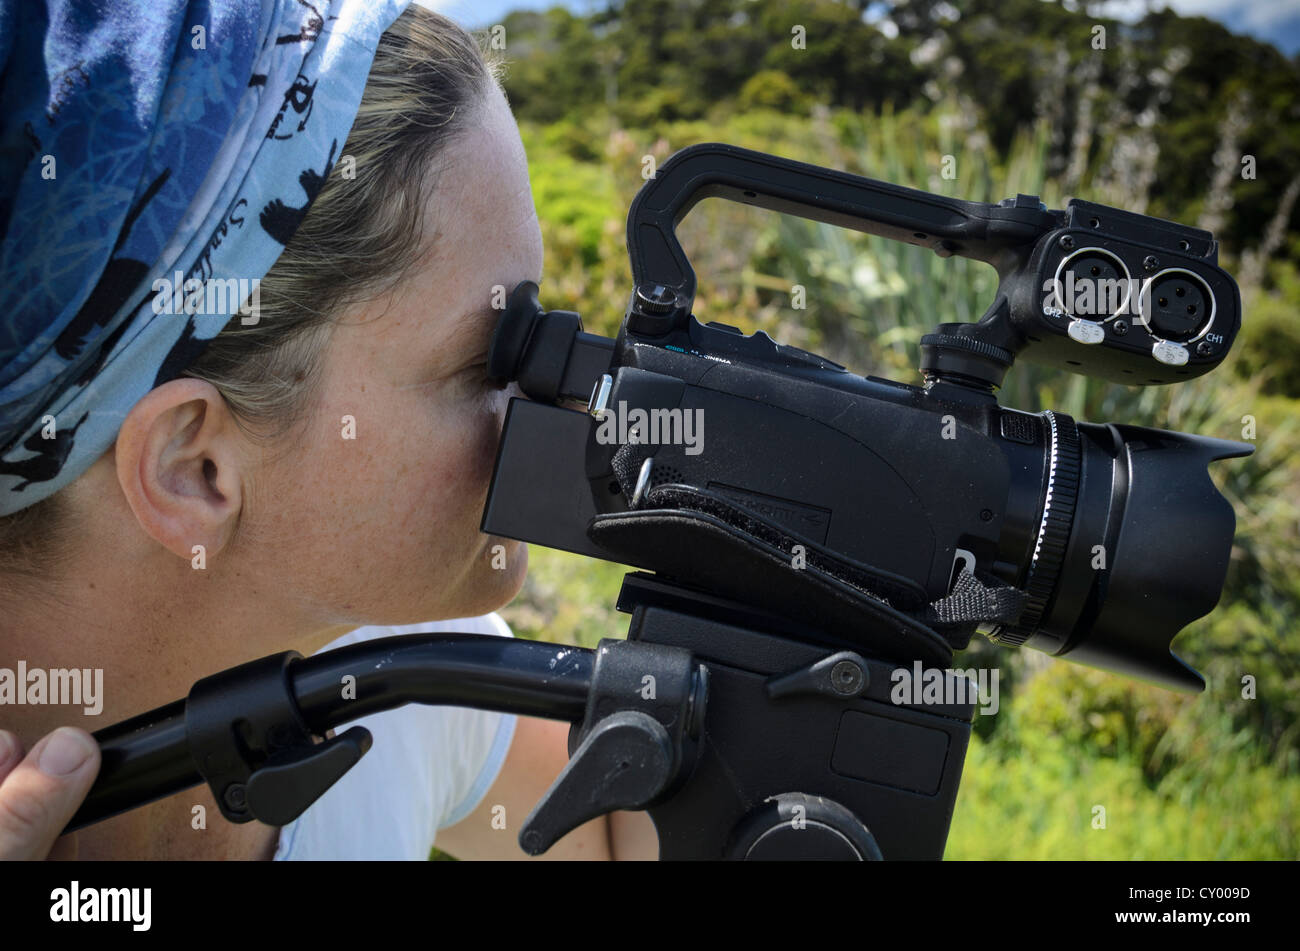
(179, 457)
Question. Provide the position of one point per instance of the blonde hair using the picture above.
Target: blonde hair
(362, 233)
(360, 236)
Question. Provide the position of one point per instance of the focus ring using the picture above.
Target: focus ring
(1064, 466)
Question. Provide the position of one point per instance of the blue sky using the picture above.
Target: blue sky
(1277, 21)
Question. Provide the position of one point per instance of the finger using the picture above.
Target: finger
(11, 753)
(43, 792)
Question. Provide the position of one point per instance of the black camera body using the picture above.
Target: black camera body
(893, 518)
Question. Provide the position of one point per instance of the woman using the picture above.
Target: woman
(170, 507)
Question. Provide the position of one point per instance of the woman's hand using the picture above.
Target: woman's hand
(39, 794)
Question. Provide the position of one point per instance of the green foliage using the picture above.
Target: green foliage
(1178, 777)
(577, 197)
(1268, 348)
(1170, 83)
(567, 599)
(1039, 801)
(1096, 713)
(772, 89)
(1211, 776)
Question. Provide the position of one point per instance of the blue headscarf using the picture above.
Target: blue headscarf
(154, 162)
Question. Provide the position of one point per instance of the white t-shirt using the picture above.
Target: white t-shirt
(427, 768)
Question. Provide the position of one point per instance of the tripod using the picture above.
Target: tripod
(743, 735)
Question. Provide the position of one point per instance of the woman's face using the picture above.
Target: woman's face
(384, 527)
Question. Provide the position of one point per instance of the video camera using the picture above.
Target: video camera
(853, 504)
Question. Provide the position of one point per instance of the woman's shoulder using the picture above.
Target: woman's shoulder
(491, 623)
(426, 762)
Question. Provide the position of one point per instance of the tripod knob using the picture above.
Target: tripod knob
(798, 827)
(624, 762)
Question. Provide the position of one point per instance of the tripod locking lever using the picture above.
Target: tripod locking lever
(250, 743)
(625, 762)
(645, 711)
(292, 780)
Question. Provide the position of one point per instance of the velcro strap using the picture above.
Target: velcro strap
(956, 616)
(972, 601)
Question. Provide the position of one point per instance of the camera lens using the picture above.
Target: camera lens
(1056, 518)
(1132, 546)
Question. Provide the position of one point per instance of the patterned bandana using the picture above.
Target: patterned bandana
(155, 158)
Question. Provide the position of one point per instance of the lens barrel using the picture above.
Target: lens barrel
(1144, 551)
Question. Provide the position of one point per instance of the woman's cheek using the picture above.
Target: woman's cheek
(489, 420)
(458, 460)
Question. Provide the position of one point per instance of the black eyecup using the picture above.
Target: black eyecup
(514, 328)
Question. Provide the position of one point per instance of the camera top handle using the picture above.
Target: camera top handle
(1089, 289)
(971, 229)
